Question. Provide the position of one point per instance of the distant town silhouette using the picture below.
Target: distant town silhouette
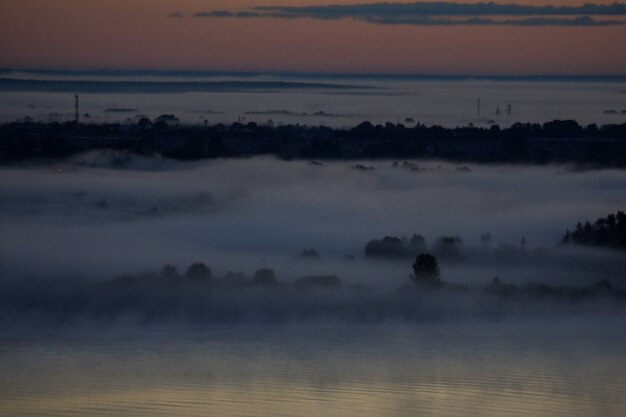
(555, 141)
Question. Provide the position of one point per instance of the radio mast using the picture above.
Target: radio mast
(76, 113)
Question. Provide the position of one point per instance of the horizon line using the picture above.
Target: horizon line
(338, 74)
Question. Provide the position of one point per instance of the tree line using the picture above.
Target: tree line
(558, 140)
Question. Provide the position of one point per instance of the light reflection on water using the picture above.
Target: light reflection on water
(312, 369)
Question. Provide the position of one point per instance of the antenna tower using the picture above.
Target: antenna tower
(76, 114)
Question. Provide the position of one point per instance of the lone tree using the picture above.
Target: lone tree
(426, 271)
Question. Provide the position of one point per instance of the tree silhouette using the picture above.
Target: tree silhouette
(609, 231)
(417, 243)
(169, 272)
(264, 276)
(426, 271)
(198, 271)
(449, 247)
(387, 247)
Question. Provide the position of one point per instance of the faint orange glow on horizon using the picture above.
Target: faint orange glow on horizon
(138, 34)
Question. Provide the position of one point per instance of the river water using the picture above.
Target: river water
(513, 368)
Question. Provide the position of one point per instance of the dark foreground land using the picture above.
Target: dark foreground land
(556, 141)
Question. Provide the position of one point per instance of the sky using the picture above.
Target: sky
(238, 35)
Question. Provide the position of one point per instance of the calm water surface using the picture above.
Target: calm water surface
(555, 369)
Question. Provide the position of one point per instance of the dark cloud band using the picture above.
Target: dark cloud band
(444, 13)
(483, 21)
(226, 13)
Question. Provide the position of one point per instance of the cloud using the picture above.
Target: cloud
(445, 9)
(176, 15)
(443, 13)
(226, 13)
(248, 14)
(479, 21)
(215, 13)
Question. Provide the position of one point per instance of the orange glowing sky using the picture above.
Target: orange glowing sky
(139, 34)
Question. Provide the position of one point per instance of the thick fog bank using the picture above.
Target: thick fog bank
(103, 215)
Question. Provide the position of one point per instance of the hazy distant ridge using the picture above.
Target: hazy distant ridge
(31, 85)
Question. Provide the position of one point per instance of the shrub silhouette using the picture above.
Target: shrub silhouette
(310, 254)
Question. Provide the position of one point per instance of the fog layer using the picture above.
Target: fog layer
(102, 215)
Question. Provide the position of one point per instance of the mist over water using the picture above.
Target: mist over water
(104, 215)
(249, 213)
(90, 323)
